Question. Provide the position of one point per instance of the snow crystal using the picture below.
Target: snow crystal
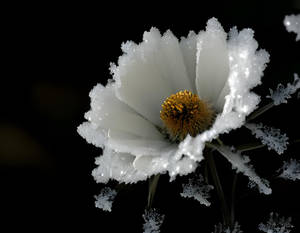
(271, 137)
(292, 24)
(105, 199)
(153, 221)
(291, 170)
(220, 228)
(196, 188)
(281, 94)
(241, 163)
(276, 224)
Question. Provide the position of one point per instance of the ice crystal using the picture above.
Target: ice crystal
(281, 94)
(292, 24)
(220, 228)
(153, 221)
(241, 164)
(276, 224)
(197, 188)
(105, 199)
(271, 137)
(291, 170)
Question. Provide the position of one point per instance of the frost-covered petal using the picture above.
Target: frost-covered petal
(109, 113)
(133, 144)
(240, 163)
(212, 67)
(116, 166)
(246, 66)
(189, 47)
(150, 72)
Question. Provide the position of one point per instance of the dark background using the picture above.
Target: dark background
(54, 55)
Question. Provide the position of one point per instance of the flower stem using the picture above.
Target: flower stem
(232, 211)
(216, 180)
(260, 111)
(153, 181)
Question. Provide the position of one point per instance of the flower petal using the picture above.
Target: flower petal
(212, 67)
(129, 143)
(117, 166)
(109, 113)
(150, 72)
(189, 47)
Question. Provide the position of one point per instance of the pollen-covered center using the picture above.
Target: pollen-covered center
(184, 113)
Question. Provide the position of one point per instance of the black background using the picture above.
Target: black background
(55, 53)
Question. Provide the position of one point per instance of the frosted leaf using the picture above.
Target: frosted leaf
(197, 188)
(105, 199)
(292, 24)
(220, 228)
(153, 221)
(271, 137)
(291, 170)
(281, 94)
(241, 164)
(276, 224)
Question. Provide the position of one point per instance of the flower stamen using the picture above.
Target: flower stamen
(184, 113)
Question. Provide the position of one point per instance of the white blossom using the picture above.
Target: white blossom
(269, 136)
(292, 24)
(291, 170)
(153, 221)
(125, 114)
(276, 224)
(196, 188)
(281, 94)
(105, 199)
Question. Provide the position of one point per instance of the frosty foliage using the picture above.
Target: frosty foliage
(291, 170)
(276, 224)
(271, 137)
(105, 199)
(281, 94)
(197, 188)
(220, 228)
(153, 221)
(292, 24)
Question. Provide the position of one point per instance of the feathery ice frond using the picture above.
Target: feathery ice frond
(153, 221)
(196, 188)
(292, 24)
(276, 224)
(281, 94)
(271, 137)
(291, 170)
(105, 199)
(220, 228)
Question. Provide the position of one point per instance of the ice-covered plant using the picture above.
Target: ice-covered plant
(168, 105)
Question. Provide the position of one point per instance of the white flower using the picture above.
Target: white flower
(126, 116)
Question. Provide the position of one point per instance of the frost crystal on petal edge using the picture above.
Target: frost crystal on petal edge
(276, 224)
(153, 221)
(292, 24)
(196, 188)
(105, 199)
(271, 137)
(220, 228)
(281, 94)
(291, 170)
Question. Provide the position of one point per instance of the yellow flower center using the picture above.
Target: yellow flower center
(184, 113)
